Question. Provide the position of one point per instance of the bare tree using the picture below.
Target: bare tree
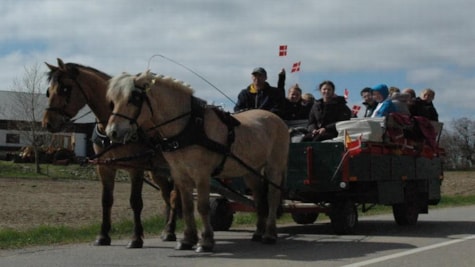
(464, 129)
(459, 143)
(28, 107)
(449, 143)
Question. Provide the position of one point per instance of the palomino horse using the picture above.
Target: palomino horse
(72, 86)
(198, 142)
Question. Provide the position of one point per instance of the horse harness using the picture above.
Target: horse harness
(194, 133)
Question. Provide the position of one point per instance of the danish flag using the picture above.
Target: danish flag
(282, 50)
(295, 67)
(355, 109)
(353, 147)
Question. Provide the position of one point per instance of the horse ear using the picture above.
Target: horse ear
(51, 67)
(60, 63)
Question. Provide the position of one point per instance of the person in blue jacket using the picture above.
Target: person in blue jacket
(385, 104)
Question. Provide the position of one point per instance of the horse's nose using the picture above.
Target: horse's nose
(113, 135)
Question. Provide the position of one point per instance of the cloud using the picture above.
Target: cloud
(429, 42)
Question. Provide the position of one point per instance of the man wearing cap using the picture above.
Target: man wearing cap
(260, 95)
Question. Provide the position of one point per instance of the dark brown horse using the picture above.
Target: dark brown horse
(258, 151)
(72, 86)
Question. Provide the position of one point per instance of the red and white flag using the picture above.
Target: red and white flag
(282, 50)
(353, 147)
(295, 67)
(355, 109)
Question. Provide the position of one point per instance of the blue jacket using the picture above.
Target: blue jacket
(387, 106)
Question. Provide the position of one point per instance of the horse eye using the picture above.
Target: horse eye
(47, 93)
(136, 99)
(111, 105)
(64, 91)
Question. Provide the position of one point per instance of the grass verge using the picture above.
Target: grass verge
(52, 234)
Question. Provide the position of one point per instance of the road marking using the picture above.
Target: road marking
(409, 252)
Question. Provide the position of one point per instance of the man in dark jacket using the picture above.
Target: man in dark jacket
(368, 102)
(260, 95)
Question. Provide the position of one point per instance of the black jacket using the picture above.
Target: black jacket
(296, 111)
(268, 98)
(326, 115)
(424, 109)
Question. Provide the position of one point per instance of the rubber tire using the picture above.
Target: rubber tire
(407, 213)
(344, 217)
(304, 218)
(221, 215)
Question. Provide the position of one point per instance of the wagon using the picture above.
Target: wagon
(372, 162)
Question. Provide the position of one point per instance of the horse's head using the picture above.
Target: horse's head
(131, 105)
(64, 94)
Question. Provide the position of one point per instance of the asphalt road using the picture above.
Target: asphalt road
(444, 237)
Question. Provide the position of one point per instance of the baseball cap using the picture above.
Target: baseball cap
(259, 70)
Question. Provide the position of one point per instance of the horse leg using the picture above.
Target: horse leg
(207, 236)
(274, 201)
(190, 235)
(258, 194)
(107, 176)
(136, 203)
(171, 200)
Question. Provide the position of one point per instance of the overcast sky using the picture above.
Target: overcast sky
(404, 43)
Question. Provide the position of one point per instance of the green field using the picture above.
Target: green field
(47, 235)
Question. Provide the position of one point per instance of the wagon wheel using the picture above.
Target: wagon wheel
(221, 214)
(407, 213)
(344, 217)
(304, 217)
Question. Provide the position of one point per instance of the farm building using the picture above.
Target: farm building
(13, 113)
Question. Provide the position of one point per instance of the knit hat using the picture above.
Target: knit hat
(382, 89)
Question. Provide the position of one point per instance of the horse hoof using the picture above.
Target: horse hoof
(200, 249)
(182, 246)
(102, 241)
(269, 240)
(256, 238)
(135, 244)
(168, 237)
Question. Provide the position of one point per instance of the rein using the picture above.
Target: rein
(169, 121)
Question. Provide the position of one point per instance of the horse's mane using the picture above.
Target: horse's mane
(122, 85)
(55, 74)
(167, 81)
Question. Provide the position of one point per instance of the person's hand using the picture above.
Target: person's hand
(282, 71)
(318, 131)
